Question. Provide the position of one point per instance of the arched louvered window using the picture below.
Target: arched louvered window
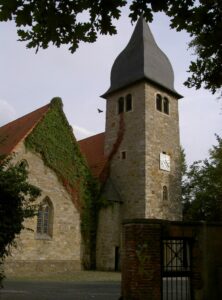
(121, 105)
(159, 102)
(45, 218)
(166, 105)
(128, 102)
(165, 193)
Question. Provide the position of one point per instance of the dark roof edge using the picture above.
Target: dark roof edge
(174, 93)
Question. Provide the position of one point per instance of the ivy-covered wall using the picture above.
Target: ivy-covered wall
(53, 139)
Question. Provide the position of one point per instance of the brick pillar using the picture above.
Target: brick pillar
(141, 260)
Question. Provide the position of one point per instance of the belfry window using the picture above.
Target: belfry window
(121, 105)
(166, 105)
(165, 193)
(158, 102)
(162, 104)
(128, 102)
(45, 218)
(125, 104)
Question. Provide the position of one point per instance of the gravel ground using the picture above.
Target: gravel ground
(82, 285)
(78, 276)
(40, 290)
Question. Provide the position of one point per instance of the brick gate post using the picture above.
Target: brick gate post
(141, 260)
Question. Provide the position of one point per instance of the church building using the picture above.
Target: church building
(136, 163)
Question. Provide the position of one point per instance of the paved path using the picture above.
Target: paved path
(29, 290)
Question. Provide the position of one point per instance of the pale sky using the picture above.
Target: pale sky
(29, 81)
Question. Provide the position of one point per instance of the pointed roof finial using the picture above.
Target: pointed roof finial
(142, 59)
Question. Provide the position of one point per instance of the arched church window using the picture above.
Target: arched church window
(120, 105)
(166, 105)
(159, 102)
(45, 218)
(165, 193)
(128, 102)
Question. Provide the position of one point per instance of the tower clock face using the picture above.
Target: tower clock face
(165, 162)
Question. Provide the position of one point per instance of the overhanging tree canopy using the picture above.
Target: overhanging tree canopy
(202, 187)
(41, 22)
(17, 198)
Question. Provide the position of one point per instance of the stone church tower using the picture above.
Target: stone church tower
(141, 138)
(142, 112)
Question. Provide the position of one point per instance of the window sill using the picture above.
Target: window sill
(39, 236)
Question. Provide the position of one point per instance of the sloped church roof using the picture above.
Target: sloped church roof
(16, 131)
(142, 59)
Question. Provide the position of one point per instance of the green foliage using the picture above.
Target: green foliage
(17, 198)
(54, 140)
(42, 22)
(183, 161)
(184, 169)
(206, 30)
(202, 187)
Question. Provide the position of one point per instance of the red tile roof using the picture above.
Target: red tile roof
(93, 150)
(12, 133)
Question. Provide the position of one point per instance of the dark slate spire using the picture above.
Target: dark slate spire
(142, 59)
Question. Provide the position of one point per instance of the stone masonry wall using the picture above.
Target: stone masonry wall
(162, 135)
(143, 133)
(146, 133)
(108, 237)
(128, 175)
(62, 252)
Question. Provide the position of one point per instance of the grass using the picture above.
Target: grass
(78, 276)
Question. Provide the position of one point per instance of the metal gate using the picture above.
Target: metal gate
(176, 269)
